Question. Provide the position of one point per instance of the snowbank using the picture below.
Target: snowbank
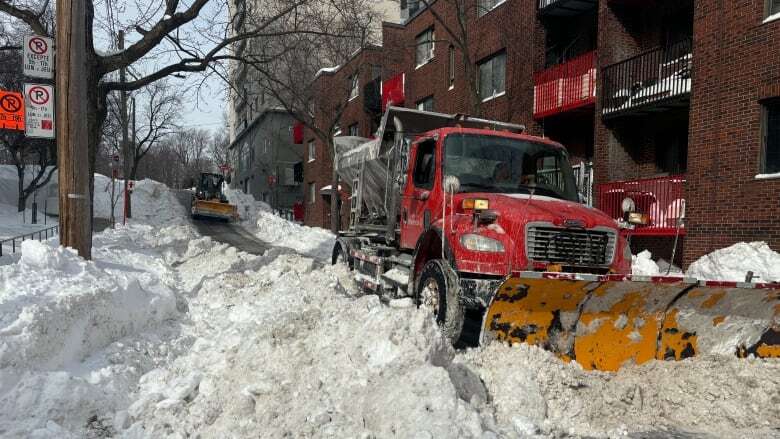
(9, 185)
(259, 219)
(153, 202)
(733, 263)
(63, 322)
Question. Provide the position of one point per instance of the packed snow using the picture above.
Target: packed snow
(169, 334)
(259, 219)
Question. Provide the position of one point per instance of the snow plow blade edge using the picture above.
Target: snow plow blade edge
(214, 209)
(605, 322)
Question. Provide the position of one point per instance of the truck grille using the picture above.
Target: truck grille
(570, 246)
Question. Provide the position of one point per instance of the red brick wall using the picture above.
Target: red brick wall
(736, 64)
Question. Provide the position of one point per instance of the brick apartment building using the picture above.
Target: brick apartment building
(670, 103)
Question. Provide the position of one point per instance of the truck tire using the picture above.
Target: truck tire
(341, 256)
(437, 290)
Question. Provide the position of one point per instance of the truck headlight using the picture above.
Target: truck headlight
(479, 243)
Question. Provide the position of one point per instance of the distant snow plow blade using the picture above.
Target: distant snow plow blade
(605, 322)
(214, 209)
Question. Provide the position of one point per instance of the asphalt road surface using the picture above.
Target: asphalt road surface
(225, 232)
(230, 234)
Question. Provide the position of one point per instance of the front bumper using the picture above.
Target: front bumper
(478, 292)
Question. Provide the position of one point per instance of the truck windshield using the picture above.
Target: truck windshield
(504, 165)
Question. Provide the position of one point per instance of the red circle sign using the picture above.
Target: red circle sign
(38, 45)
(38, 95)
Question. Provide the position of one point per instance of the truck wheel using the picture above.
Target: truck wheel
(437, 292)
(339, 256)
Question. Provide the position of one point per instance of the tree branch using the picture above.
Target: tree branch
(30, 17)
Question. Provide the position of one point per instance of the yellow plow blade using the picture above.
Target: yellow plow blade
(605, 322)
(214, 209)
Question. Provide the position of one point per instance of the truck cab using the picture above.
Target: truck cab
(462, 206)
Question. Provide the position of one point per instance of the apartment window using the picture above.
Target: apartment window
(772, 7)
(492, 75)
(312, 151)
(424, 47)
(312, 193)
(771, 131)
(486, 6)
(451, 66)
(353, 86)
(353, 129)
(425, 104)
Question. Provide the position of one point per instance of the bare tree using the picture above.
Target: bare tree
(168, 38)
(288, 67)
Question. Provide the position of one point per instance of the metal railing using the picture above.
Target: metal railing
(566, 86)
(41, 235)
(568, 7)
(652, 77)
(662, 198)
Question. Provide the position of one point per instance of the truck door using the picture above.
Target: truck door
(416, 206)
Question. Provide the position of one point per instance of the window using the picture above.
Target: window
(312, 193)
(353, 130)
(772, 7)
(771, 131)
(312, 151)
(486, 6)
(424, 47)
(492, 73)
(353, 87)
(424, 165)
(425, 104)
(451, 67)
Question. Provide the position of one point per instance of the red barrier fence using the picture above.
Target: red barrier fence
(565, 86)
(663, 198)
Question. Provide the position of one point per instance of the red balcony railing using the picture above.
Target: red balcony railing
(662, 198)
(566, 86)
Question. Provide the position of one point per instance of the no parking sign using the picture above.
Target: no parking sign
(39, 110)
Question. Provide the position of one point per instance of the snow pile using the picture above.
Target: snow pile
(63, 325)
(733, 263)
(260, 220)
(310, 241)
(284, 350)
(9, 185)
(153, 202)
(534, 392)
(642, 264)
(248, 208)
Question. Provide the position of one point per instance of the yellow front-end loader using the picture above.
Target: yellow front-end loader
(209, 201)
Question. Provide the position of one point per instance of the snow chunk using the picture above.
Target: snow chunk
(642, 264)
(733, 263)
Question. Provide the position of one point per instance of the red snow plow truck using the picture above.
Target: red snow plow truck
(465, 213)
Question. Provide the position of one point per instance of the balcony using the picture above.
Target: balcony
(566, 86)
(565, 7)
(652, 81)
(662, 198)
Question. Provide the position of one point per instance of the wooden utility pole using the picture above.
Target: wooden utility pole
(72, 110)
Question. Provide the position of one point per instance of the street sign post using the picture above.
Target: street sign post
(38, 57)
(39, 110)
(11, 110)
